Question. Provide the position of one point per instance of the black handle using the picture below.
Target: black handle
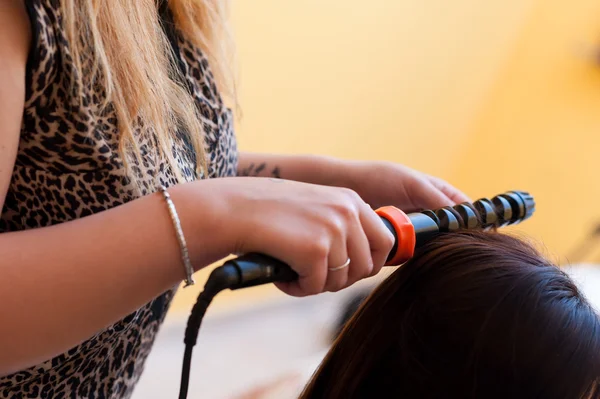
(257, 269)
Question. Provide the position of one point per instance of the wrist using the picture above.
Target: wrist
(201, 217)
(314, 169)
(325, 170)
(345, 173)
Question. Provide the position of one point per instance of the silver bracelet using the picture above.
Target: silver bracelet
(185, 257)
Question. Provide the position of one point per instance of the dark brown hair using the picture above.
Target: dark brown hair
(472, 315)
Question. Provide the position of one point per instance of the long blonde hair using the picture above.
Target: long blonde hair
(122, 47)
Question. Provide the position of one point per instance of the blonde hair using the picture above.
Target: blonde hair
(122, 47)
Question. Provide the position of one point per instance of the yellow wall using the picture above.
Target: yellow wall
(540, 131)
(398, 80)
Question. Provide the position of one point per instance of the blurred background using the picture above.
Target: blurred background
(491, 96)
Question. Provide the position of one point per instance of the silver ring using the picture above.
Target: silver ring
(333, 269)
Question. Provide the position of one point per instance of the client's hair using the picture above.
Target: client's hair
(471, 315)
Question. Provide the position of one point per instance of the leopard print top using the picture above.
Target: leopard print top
(67, 167)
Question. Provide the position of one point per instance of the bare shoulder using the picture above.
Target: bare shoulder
(15, 39)
(14, 25)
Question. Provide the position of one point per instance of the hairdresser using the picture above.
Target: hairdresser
(119, 177)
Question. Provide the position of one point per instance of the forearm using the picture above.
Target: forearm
(60, 285)
(313, 169)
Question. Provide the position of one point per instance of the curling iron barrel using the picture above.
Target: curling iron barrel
(410, 232)
(413, 230)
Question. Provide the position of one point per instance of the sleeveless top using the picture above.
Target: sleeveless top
(67, 167)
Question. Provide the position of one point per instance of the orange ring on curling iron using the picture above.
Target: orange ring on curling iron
(405, 233)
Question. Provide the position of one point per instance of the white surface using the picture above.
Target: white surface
(587, 277)
(240, 350)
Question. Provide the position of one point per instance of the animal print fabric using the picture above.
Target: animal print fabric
(68, 167)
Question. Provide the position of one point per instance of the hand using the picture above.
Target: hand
(387, 183)
(310, 227)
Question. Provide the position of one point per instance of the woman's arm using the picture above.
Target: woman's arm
(60, 285)
(313, 169)
(378, 183)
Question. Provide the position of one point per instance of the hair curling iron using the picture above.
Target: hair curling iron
(410, 231)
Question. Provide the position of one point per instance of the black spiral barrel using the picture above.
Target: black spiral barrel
(506, 209)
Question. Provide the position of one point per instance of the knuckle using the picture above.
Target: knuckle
(362, 270)
(336, 227)
(370, 266)
(350, 194)
(315, 245)
(367, 268)
(389, 241)
(346, 210)
(376, 270)
(319, 248)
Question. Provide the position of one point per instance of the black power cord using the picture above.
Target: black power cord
(191, 335)
(246, 271)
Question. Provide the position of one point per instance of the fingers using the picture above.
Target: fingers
(424, 195)
(312, 269)
(449, 191)
(338, 268)
(359, 252)
(350, 256)
(352, 243)
(365, 242)
(381, 240)
(310, 284)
